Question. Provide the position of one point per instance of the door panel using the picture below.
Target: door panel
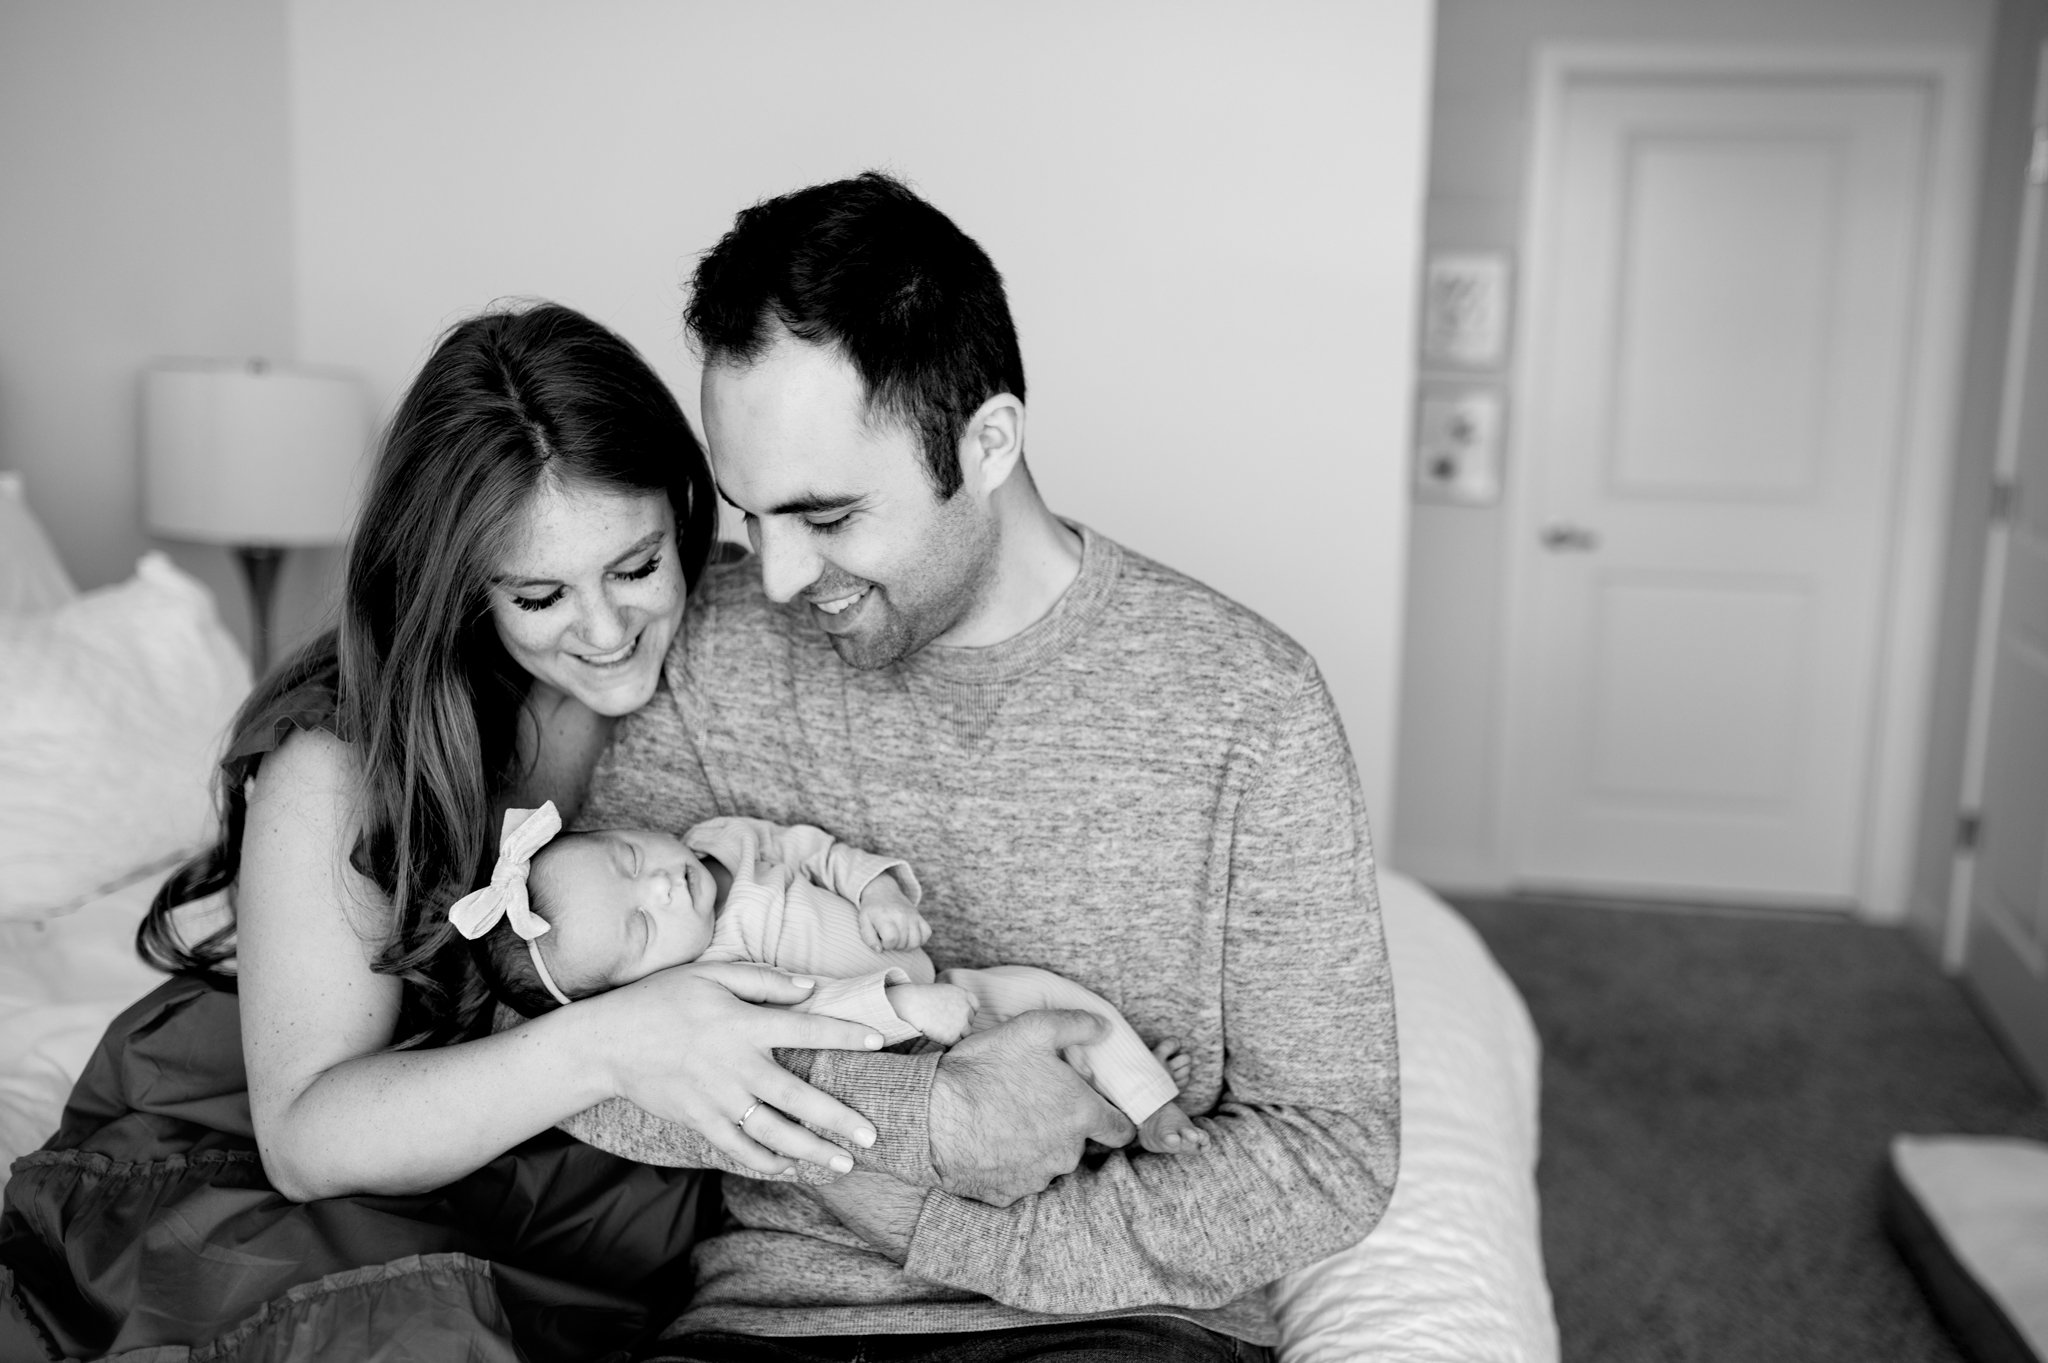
(1718, 236)
(1659, 645)
(1717, 392)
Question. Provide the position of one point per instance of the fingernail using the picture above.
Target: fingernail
(803, 984)
(864, 1137)
(874, 1042)
(842, 1164)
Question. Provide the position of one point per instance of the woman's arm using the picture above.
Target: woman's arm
(336, 1112)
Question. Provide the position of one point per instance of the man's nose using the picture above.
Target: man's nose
(788, 563)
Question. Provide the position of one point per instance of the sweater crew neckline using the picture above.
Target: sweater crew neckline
(1042, 640)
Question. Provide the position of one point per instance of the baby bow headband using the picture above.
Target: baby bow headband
(526, 831)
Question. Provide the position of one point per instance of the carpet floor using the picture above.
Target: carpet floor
(1718, 1093)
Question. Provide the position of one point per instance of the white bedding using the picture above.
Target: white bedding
(1454, 1272)
(61, 982)
(1455, 1269)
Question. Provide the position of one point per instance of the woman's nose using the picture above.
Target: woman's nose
(603, 625)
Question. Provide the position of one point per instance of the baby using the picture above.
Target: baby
(587, 912)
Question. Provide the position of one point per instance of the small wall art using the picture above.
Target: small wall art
(1465, 308)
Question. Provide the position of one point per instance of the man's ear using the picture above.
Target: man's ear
(994, 443)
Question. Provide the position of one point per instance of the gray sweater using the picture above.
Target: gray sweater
(1149, 792)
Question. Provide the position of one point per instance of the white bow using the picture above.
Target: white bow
(526, 831)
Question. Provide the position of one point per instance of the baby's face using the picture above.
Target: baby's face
(626, 903)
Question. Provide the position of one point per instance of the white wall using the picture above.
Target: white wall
(144, 201)
(1207, 214)
(1479, 150)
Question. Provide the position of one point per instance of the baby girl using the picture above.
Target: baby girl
(587, 912)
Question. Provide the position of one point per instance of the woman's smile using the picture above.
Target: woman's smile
(612, 659)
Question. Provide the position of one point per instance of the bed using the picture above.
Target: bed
(111, 702)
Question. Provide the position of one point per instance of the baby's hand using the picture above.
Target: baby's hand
(888, 920)
(942, 1012)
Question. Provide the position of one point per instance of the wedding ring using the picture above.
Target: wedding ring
(742, 1122)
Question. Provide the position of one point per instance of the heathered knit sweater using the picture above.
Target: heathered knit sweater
(1147, 791)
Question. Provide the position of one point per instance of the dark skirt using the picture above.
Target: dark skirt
(146, 1221)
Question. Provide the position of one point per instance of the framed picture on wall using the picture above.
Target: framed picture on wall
(1465, 308)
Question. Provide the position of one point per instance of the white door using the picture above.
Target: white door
(2006, 953)
(1719, 354)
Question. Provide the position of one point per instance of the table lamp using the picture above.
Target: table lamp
(258, 457)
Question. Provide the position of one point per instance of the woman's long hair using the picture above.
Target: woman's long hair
(427, 698)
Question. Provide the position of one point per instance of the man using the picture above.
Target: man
(1096, 766)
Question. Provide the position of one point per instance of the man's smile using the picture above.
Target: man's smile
(840, 601)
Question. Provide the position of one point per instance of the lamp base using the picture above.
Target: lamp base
(260, 563)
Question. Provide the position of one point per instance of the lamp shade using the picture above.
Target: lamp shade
(242, 453)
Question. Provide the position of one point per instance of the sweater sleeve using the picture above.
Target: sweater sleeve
(1304, 1142)
(863, 999)
(819, 857)
(891, 1090)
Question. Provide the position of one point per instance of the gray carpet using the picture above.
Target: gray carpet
(1718, 1092)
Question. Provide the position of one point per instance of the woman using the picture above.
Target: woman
(537, 513)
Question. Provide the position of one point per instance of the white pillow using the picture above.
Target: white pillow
(113, 708)
(1970, 1215)
(1454, 1271)
(31, 575)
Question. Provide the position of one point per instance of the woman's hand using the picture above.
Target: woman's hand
(685, 1044)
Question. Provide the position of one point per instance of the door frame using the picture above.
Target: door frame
(1920, 507)
(2020, 338)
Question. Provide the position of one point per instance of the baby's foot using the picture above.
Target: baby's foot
(1169, 1132)
(1178, 1065)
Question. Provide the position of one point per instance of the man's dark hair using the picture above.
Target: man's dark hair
(867, 266)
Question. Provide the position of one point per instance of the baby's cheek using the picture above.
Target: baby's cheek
(679, 948)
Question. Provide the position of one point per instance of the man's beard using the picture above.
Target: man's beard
(967, 556)
(890, 640)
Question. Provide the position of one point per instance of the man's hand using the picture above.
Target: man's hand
(876, 1207)
(1009, 1115)
(888, 920)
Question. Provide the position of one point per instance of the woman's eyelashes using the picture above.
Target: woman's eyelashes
(541, 603)
(537, 603)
